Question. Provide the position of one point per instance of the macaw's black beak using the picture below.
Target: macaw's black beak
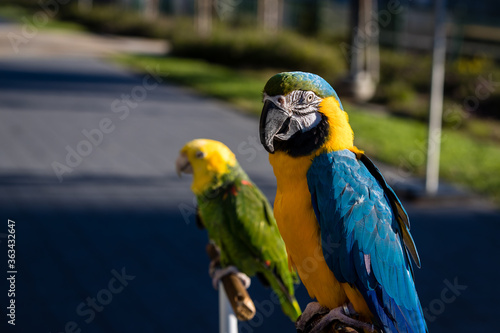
(274, 122)
(277, 125)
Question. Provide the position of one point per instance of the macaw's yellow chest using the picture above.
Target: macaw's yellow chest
(300, 230)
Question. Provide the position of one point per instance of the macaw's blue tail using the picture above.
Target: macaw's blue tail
(395, 318)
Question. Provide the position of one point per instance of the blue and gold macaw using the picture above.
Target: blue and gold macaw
(345, 230)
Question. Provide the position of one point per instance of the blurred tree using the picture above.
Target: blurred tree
(364, 64)
(151, 9)
(270, 14)
(85, 5)
(309, 19)
(204, 17)
(179, 7)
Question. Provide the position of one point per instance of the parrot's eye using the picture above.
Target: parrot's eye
(309, 98)
(200, 154)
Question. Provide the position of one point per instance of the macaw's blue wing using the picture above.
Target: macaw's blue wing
(363, 232)
(397, 208)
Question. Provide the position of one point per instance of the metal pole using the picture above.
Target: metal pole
(227, 320)
(436, 102)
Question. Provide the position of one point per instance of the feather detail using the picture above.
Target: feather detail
(401, 215)
(372, 252)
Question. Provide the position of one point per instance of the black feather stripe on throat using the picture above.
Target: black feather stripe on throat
(305, 143)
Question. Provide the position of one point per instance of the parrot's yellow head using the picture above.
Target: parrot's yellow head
(302, 115)
(208, 160)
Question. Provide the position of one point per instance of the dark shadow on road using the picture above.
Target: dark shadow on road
(68, 254)
(67, 257)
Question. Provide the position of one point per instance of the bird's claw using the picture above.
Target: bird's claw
(341, 314)
(312, 309)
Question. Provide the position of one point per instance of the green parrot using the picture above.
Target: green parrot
(238, 218)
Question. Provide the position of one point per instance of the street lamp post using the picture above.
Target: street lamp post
(436, 102)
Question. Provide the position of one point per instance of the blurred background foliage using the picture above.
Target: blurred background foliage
(308, 40)
(241, 47)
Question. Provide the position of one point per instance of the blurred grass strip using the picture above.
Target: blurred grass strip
(241, 89)
(403, 143)
(397, 141)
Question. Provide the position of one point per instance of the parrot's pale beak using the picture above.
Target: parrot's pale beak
(182, 165)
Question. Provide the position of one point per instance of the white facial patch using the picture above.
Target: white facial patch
(309, 121)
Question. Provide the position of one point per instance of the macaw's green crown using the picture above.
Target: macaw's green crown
(286, 82)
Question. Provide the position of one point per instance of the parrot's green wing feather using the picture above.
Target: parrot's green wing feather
(240, 221)
(256, 216)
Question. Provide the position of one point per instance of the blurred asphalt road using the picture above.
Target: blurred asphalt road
(120, 209)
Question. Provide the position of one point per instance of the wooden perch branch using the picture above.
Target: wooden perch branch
(242, 304)
(244, 308)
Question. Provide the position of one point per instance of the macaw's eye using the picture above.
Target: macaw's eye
(200, 154)
(309, 98)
